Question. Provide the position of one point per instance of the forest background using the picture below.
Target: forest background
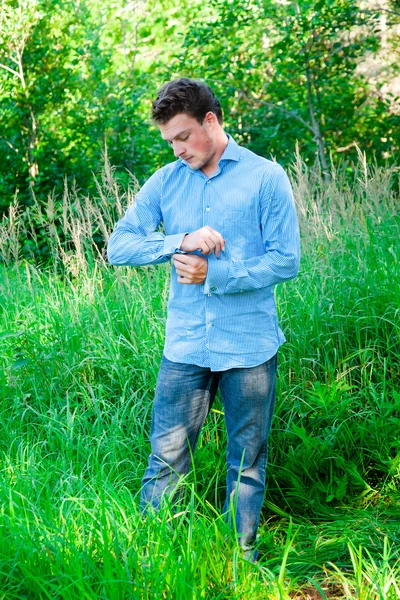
(77, 78)
(314, 86)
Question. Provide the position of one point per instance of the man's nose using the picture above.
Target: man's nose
(178, 149)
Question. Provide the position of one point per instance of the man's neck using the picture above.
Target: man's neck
(222, 143)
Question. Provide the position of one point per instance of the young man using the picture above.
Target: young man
(231, 232)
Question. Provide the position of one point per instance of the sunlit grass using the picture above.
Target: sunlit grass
(80, 348)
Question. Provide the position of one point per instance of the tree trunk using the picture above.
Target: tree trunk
(316, 128)
(33, 167)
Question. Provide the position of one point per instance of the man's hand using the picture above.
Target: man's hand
(205, 239)
(190, 268)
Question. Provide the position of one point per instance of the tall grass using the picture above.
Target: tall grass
(80, 347)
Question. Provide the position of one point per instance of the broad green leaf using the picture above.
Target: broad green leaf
(10, 334)
(21, 362)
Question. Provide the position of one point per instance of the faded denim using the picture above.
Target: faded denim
(183, 398)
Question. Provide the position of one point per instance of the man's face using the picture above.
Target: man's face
(192, 142)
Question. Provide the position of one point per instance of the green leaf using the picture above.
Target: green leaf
(21, 362)
(10, 334)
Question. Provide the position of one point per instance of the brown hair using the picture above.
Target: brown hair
(188, 96)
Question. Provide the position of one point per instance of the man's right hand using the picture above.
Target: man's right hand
(206, 240)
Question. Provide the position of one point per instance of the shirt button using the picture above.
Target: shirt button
(208, 209)
(209, 295)
(210, 325)
(208, 180)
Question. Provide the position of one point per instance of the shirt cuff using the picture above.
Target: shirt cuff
(172, 243)
(217, 277)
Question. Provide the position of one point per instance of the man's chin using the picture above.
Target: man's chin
(192, 163)
(195, 163)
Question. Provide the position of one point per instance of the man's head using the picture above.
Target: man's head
(185, 96)
(189, 117)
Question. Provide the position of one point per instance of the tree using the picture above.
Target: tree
(17, 24)
(78, 77)
(289, 68)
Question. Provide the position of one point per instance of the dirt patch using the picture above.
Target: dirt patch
(310, 593)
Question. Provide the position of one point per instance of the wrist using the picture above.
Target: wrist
(182, 246)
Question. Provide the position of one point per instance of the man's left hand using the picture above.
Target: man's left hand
(190, 268)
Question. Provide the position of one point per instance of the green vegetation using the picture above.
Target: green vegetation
(77, 76)
(81, 341)
(80, 346)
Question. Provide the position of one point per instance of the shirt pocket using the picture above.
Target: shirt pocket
(243, 236)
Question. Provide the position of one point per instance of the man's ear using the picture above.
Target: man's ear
(210, 120)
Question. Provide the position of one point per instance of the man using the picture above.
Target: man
(231, 232)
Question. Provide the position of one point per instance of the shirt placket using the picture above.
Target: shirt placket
(207, 208)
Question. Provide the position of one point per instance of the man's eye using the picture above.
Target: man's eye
(181, 139)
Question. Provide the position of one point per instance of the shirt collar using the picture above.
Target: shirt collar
(232, 150)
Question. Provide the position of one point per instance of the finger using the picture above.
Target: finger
(216, 240)
(180, 262)
(179, 257)
(185, 260)
(189, 260)
(221, 242)
(185, 271)
(217, 246)
(207, 247)
(182, 279)
(216, 233)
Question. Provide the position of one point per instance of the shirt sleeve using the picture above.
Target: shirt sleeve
(135, 240)
(280, 232)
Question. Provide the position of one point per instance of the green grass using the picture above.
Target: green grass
(80, 347)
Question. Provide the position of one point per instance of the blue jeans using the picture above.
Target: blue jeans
(183, 398)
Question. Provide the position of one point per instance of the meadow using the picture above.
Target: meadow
(80, 346)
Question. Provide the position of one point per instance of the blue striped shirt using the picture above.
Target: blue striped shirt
(230, 320)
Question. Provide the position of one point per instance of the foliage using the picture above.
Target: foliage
(76, 77)
(290, 69)
(81, 343)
